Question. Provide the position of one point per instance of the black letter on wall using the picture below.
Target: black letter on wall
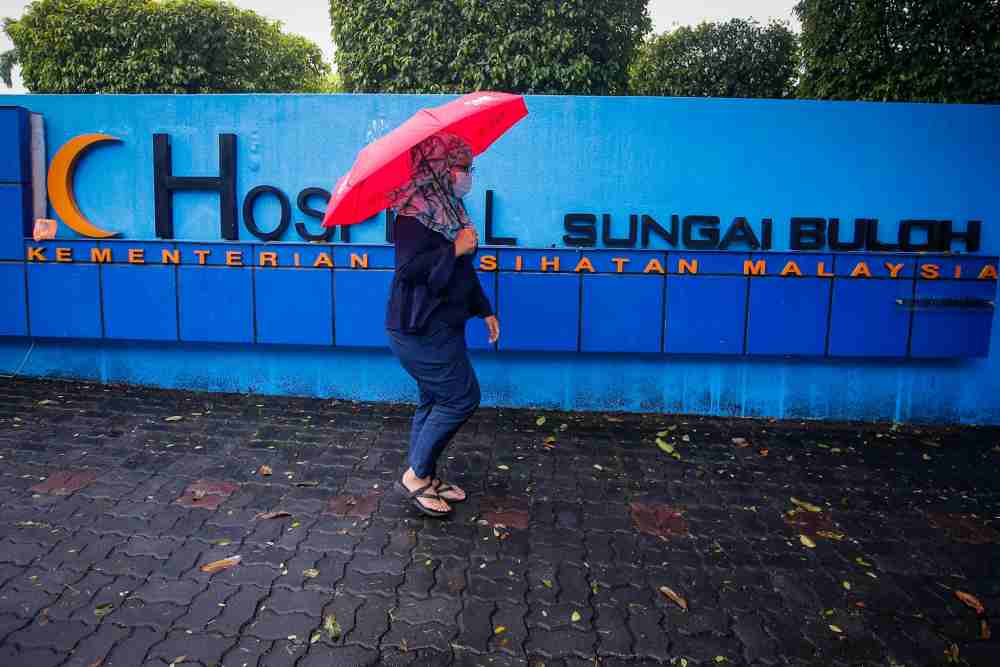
(490, 239)
(971, 235)
(303, 204)
(807, 234)
(251, 222)
(581, 230)
(708, 231)
(165, 184)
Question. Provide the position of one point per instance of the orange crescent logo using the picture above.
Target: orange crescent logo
(61, 185)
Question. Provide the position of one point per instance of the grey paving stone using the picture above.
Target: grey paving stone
(271, 626)
(406, 590)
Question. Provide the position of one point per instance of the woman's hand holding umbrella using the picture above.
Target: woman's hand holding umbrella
(466, 241)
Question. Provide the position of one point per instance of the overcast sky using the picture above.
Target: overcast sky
(310, 18)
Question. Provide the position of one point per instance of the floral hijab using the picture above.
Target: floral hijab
(428, 196)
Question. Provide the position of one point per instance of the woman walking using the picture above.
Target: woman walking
(435, 291)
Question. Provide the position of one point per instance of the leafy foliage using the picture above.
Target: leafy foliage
(737, 58)
(524, 46)
(918, 50)
(149, 46)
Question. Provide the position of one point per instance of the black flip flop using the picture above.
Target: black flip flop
(419, 493)
(444, 486)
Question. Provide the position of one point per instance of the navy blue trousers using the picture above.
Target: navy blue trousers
(449, 391)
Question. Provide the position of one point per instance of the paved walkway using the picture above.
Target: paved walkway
(112, 499)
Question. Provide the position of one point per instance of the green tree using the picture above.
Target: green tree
(525, 46)
(737, 58)
(915, 50)
(149, 46)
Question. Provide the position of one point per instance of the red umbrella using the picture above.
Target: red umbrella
(384, 165)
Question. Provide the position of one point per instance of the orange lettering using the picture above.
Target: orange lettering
(234, 258)
(584, 264)
(323, 259)
(791, 268)
(988, 273)
(757, 268)
(136, 256)
(553, 263)
(100, 255)
(202, 254)
(958, 270)
(487, 263)
(821, 270)
(171, 256)
(894, 269)
(36, 255)
(930, 271)
(687, 266)
(64, 254)
(518, 263)
(654, 266)
(357, 261)
(620, 263)
(861, 269)
(269, 259)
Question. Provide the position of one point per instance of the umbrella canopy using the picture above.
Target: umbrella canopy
(384, 165)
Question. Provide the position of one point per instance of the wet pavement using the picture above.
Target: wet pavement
(584, 541)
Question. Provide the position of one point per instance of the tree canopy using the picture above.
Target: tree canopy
(524, 46)
(735, 58)
(149, 46)
(916, 50)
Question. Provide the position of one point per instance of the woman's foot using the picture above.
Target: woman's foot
(450, 492)
(412, 483)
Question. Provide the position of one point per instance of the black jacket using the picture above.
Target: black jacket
(430, 283)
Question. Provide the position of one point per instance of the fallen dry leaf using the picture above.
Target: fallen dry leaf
(830, 535)
(265, 471)
(272, 515)
(175, 418)
(836, 629)
(540, 421)
(575, 616)
(332, 627)
(984, 629)
(806, 506)
(500, 629)
(673, 596)
(178, 659)
(96, 663)
(311, 573)
(741, 442)
(971, 601)
(664, 446)
(807, 542)
(218, 565)
(763, 451)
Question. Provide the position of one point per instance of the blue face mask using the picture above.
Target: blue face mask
(463, 183)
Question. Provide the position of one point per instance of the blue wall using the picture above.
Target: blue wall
(620, 156)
